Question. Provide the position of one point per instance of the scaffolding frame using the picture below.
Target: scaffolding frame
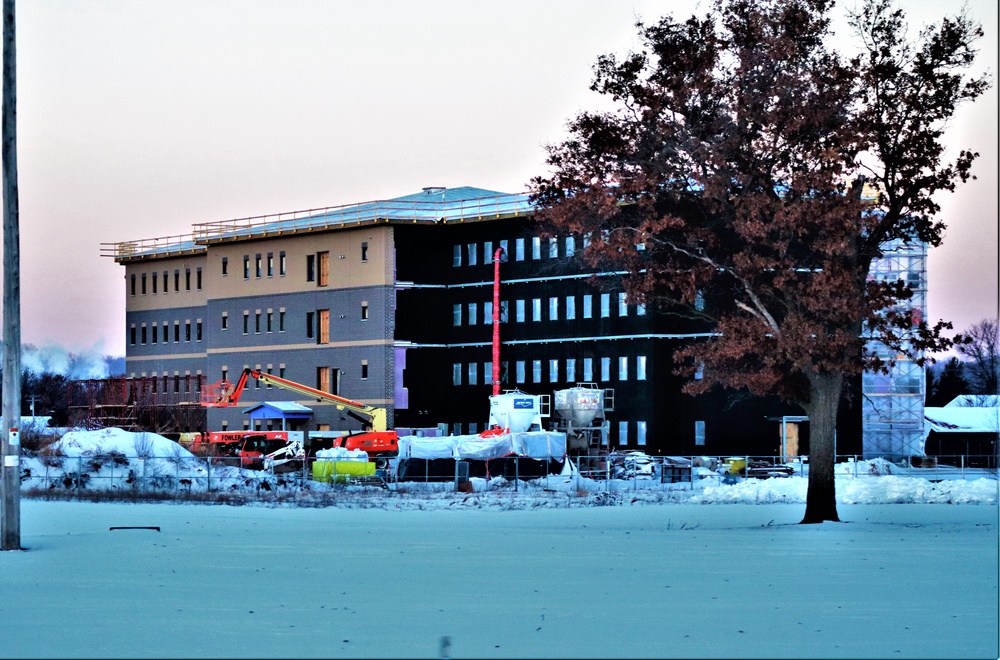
(893, 403)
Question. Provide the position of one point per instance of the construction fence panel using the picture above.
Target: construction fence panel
(217, 474)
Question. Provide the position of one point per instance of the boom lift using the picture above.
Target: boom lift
(379, 442)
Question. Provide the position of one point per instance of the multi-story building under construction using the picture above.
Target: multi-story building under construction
(390, 303)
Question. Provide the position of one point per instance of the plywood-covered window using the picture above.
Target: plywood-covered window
(323, 323)
(323, 268)
(323, 379)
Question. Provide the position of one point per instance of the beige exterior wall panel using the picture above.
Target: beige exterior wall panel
(346, 267)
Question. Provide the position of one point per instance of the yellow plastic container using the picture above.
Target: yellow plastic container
(340, 471)
(736, 465)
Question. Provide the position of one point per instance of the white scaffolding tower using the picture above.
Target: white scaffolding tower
(893, 403)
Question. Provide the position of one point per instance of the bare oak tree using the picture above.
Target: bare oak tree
(730, 181)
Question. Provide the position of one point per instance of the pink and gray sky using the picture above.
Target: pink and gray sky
(137, 119)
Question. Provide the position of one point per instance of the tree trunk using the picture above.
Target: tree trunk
(824, 401)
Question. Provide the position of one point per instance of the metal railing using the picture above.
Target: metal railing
(148, 247)
(362, 213)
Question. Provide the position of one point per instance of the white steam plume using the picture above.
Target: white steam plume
(57, 360)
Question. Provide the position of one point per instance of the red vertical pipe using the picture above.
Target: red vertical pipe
(496, 321)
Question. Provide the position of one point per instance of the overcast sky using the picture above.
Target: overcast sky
(137, 119)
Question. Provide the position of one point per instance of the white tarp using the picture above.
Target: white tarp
(418, 446)
(534, 444)
(479, 448)
(540, 444)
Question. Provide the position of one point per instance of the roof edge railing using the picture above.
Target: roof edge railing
(508, 205)
(361, 213)
(147, 247)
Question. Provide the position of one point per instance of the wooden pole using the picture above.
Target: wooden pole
(10, 443)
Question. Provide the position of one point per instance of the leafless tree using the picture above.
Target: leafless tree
(983, 352)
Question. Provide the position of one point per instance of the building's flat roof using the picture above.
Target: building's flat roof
(432, 205)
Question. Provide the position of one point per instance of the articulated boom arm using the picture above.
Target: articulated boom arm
(224, 395)
(375, 418)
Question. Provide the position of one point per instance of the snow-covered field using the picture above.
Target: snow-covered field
(671, 580)
(496, 575)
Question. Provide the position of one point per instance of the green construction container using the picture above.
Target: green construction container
(341, 471)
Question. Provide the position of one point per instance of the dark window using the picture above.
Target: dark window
(187, 330)
(256, 265)
(187, 279)
(364, 251)
(177, 332)
(177, 281)
(198, 330)
(198, 278)
(143, 335)
(281, 263)
(270, 264)
(246, 266)
(142, 289)
(133, 286)
(154, 282)
(310, 268)
(246, 323)
(310, 324)
(156, 335)
(225, 265)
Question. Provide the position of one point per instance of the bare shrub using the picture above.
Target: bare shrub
(112, 457)
(52, 456)
(143, 445)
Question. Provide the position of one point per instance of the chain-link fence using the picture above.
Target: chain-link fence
(618, 471)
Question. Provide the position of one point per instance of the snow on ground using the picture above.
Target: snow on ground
(532, 573)
(672, 580)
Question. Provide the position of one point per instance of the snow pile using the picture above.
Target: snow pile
(114, 440)
(888, 489)
(872, 466)
(907, 490)
(341, 454)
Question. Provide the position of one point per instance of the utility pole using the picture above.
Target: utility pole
(10, 441)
